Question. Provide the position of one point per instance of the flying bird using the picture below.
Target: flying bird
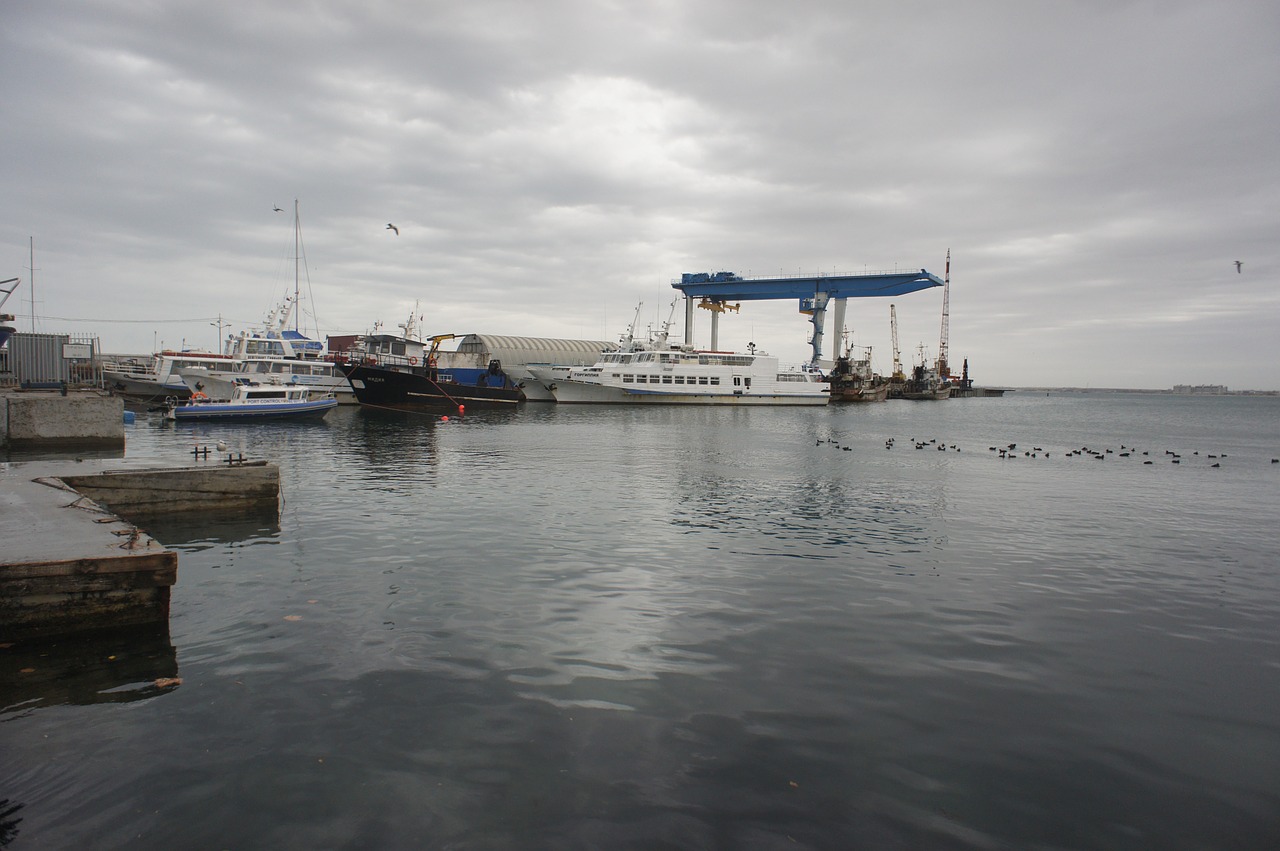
(277, 209)
(1238, 265)
(394, 228)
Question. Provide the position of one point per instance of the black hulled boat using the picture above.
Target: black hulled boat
(424, 387)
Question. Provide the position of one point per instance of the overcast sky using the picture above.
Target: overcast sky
(1095, 167)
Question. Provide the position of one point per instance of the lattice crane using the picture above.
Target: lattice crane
(898, 374)
(944, 338)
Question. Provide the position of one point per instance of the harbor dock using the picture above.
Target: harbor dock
(69, 565)
(72, 563)
(59, 417)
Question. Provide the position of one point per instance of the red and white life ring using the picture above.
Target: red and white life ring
(413, 361)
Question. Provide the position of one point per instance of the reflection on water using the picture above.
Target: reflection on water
(9, 821)
(202, 531)
(103, 667)
(662, 628)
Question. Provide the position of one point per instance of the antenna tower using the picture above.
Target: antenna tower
(897, 354)
(943, 372)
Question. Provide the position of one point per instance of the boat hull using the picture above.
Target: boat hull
(859, 393)
(928, 395)
(220, 386)
(421, 388)
(568, 391)
(144, 389)
(201, 411)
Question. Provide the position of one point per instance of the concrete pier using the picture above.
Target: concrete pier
(250, 487)
(31, 419)
(68, 565)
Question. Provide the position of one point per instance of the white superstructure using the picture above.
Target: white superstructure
(684, 376)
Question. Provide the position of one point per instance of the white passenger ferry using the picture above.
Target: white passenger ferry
(685, 376)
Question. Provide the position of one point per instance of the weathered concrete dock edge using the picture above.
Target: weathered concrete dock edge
(47, 418)
(249, 488)
(56, 598)
(68, 565)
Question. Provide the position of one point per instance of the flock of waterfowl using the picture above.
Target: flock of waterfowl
(1010, 451)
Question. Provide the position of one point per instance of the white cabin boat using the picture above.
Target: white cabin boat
(684, 376)
(254, 401)
(271, 352)
(654, 372)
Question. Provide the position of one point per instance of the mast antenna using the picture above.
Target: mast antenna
(897, 354)
(943, 341)
(297, 254)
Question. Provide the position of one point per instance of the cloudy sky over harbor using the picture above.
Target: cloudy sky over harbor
(1095, 168)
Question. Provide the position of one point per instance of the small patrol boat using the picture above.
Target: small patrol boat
(251, 401)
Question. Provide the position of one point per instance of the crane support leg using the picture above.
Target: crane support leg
(688, 320)
(818, 319)
(837, 319)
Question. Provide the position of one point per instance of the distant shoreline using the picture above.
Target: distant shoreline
(1165, 392)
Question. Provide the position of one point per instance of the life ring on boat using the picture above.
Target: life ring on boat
(413, 361)
(199, 395)
(431, 362)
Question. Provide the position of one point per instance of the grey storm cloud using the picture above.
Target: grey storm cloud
(1094, 168)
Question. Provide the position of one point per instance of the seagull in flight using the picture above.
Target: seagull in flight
(277, 209)
(394, 228)
(1238, 265)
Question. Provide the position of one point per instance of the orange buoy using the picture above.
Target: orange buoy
(462, 409)
(445, 418)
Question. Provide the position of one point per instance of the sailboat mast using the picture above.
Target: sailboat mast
(32, 241)
(297, 253)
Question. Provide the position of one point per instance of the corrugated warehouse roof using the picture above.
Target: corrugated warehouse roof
(513, 350)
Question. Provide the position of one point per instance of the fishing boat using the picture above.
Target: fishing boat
(418, 387)
(404, 374)
(924, 384)
(852, 379)
(252, 401)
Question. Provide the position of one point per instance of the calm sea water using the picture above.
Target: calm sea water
(696, 628)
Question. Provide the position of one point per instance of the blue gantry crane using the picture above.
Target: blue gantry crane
(721, 291)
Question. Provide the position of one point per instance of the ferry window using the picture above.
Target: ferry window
(628, 378)
(679, 379)
(702, 379)
(747, 381)
(715, 381)
(270, 394)
(737, 381)
(666, 379)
